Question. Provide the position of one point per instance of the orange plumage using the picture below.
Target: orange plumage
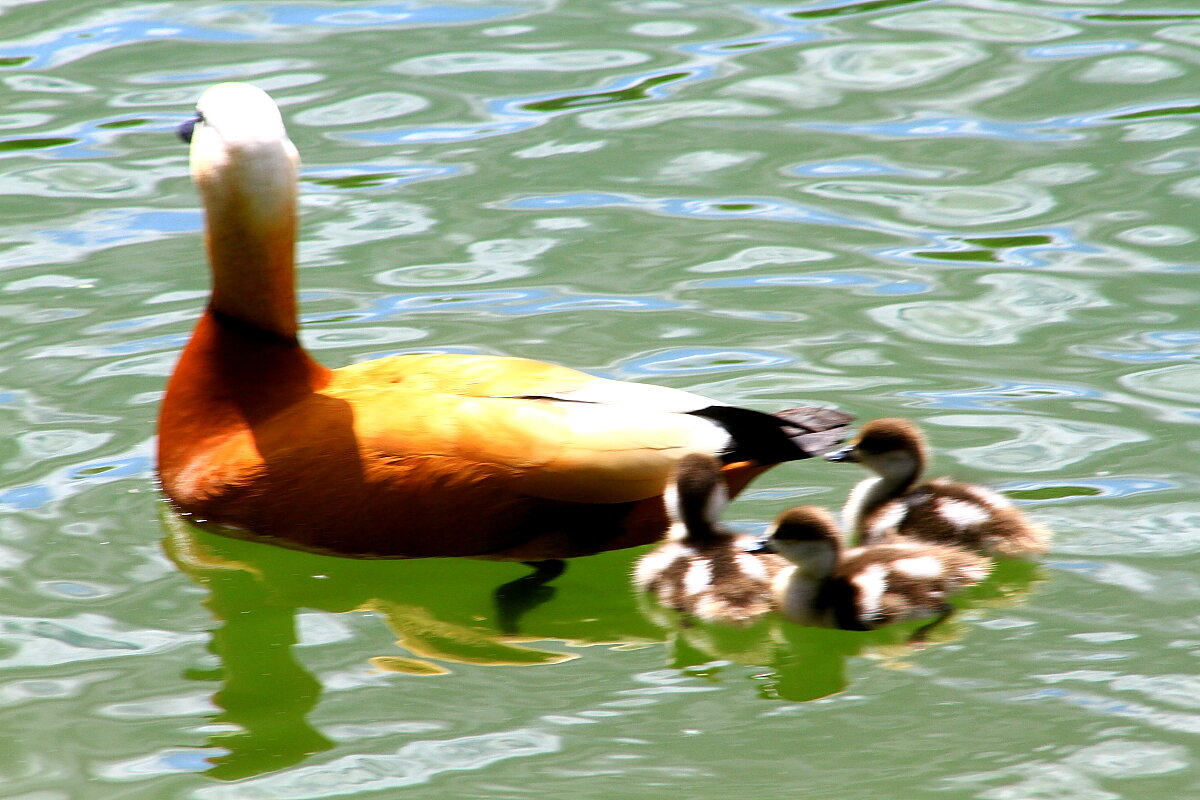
(414, 455)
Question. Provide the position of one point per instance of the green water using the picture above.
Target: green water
(981, 216)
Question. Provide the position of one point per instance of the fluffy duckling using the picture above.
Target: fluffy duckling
(863, 588)
(939, 511)
(702, 570)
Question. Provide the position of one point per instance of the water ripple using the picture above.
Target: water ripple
(702, 361)
(43, 642)
(1017, 304)
(414, 763)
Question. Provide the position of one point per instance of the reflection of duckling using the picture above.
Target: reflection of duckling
(702, 569)
(865, 587)
(939, 511)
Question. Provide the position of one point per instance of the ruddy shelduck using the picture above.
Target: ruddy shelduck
(939, 511)
(411, 455)
(703, 570)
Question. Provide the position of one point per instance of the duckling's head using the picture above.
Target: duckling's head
(240, 151)
(892, 447)
(696, 497)
(809, 537)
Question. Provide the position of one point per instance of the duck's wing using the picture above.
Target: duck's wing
(563, 434)
(901, 581)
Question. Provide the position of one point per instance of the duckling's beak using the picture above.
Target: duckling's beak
(758, 546)
(843, 456)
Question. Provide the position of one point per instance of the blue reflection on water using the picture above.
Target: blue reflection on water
(998, 395)
(380, 175)
(191, 760)
(703, 360)
(646, 82)
(1018, 255)
(24, 498)
(368, 16)
(1145, 358)
(58, 48)
(62, 47)
(853, 167)
(749, 44)
(1080, 49)
(119, 227)
(725, 208)
(443, 133)
(875, 284)
(152, 344)
(109, 470)
(511, 114)
(936, 127)
(517, 302)
(1039, 130)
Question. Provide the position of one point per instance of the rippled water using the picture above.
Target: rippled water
(981, 216)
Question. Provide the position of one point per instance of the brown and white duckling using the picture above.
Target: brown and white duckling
(939, 511)
(702, 569)
(863, 588)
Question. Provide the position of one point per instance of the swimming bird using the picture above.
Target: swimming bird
(939, 511)
(863, 588)
(702, 570)
(412, 455)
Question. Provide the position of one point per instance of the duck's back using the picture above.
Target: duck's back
(896, 582)
(419, 455)
(949, 513)
(714, 582)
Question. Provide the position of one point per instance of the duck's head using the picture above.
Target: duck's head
(240, 152)
(892, 447)
(696, 496)
(809, 537)
(246, 169)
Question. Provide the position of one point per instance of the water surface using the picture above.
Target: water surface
(981, 216)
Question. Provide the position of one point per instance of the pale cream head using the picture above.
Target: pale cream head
(240, 144)
(247, 171)
(892, 447)
(809, 537)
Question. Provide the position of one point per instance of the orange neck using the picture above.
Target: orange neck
(231, 376)
(250, 223)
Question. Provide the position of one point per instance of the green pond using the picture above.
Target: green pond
(981, 215)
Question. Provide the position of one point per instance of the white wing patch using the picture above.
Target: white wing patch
(960, 513)
(751, 566)
(871, 583)
(918, 567)
(885, 519)
(655, 563)
(987, 497)
(698, 578)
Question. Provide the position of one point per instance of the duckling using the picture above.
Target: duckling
(702, 569)
(938, 511)
(863, 588)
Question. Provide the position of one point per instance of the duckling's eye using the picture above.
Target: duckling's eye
(185, 130)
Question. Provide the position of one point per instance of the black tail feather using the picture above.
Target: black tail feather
(788, 435)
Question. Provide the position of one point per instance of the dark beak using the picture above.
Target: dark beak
(759, 546)
(843, 456)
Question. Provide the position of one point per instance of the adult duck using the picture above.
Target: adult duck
(412, 455)
(893, 503)
(703, 570)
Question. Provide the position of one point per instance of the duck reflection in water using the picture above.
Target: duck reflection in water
(443, 614)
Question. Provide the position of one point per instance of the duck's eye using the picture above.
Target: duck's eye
(185, 130)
